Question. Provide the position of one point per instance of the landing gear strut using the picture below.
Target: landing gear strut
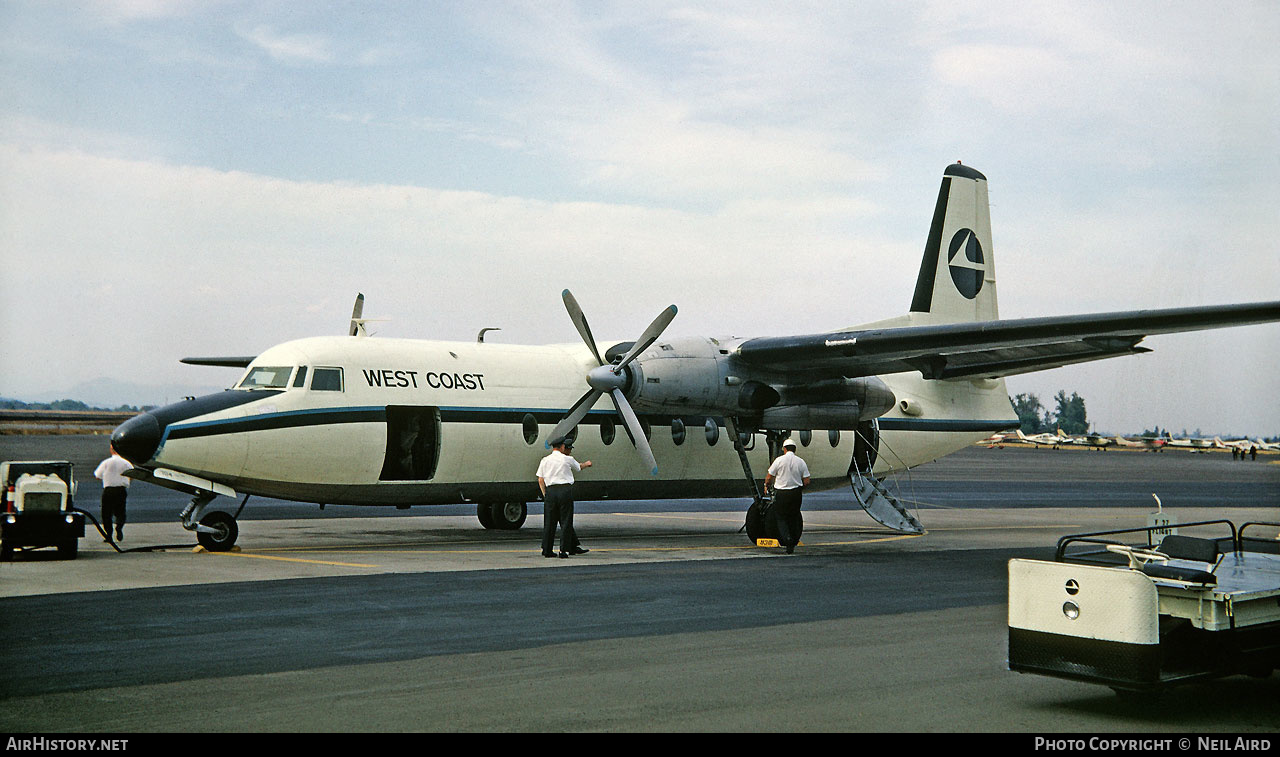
(757, 525)
(217, 531)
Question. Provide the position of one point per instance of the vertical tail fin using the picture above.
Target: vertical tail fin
(957, 280)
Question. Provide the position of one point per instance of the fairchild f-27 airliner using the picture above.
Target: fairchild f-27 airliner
(357, 420)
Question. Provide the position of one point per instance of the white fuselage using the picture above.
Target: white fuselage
(426, 422)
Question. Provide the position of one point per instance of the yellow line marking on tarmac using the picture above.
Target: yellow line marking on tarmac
(1009, 528)
(428, 549)
(675, 517)
(295, 559)
(863, 541)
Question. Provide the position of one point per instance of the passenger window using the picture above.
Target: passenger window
(327, 380)
(300, 380)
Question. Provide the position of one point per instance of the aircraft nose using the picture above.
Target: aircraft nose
(137, 438)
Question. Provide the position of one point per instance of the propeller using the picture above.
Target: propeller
(611, 378)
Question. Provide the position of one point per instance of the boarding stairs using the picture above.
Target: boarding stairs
(882, 506)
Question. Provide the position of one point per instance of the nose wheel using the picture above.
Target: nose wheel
(217, 531)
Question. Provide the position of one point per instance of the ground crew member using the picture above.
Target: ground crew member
(788, 474)
(115, 489)
(555, 479)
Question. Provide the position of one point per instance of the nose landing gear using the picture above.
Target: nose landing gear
(217, 531)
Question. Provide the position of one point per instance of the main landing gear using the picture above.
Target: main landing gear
(758, 525)
(502, 516)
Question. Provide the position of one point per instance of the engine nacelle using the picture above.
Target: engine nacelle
(841, 404)
(873, 396)
(845, 416)
(696, 376)
(681, 376)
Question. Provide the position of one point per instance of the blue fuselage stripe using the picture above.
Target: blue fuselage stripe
(504, 415)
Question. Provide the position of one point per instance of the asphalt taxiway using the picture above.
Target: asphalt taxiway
(341, 620)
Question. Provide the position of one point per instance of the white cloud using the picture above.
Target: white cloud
(290, 48)
(179, 244)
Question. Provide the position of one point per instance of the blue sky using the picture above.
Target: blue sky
(183, 178)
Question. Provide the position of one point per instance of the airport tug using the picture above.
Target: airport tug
(1140, 618)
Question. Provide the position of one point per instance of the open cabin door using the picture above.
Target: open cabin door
(413, 443)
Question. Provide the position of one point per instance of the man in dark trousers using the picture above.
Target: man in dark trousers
(115, 489)
(555, 479)
(788, 475)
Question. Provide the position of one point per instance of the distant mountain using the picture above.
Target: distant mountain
(110, 393)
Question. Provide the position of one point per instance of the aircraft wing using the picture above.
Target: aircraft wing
(989, 349)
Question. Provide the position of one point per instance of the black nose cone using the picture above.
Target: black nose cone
(137, 438)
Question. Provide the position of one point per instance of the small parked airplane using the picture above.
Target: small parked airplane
(362, 421)
(1155, 444)
(1243, 445)
(1193, 443)
(1045, 439)
(1086, 440)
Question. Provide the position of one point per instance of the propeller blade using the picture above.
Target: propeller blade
(576, 414)
(649, 336)
(580, 322)
(634, 430)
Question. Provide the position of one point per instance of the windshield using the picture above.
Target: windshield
(266, 377)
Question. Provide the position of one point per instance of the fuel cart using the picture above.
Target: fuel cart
(37, 508)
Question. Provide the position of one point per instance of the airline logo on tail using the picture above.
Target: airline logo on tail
(964, 258)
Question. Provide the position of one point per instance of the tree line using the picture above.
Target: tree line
(1069, 414)
(67, 405)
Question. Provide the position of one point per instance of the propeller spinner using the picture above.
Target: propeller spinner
(611, 378)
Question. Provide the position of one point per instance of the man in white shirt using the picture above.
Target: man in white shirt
(555, 479)
(115, 489)
(788, 474)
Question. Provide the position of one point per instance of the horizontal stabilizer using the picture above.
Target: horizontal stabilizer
(222, 362)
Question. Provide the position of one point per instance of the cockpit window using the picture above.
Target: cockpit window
(327, 380)
(266, 377)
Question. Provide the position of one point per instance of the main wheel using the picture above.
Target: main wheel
(758, 525)
(225, 532)
(67, 550)
(484, 511)
(509, 516)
